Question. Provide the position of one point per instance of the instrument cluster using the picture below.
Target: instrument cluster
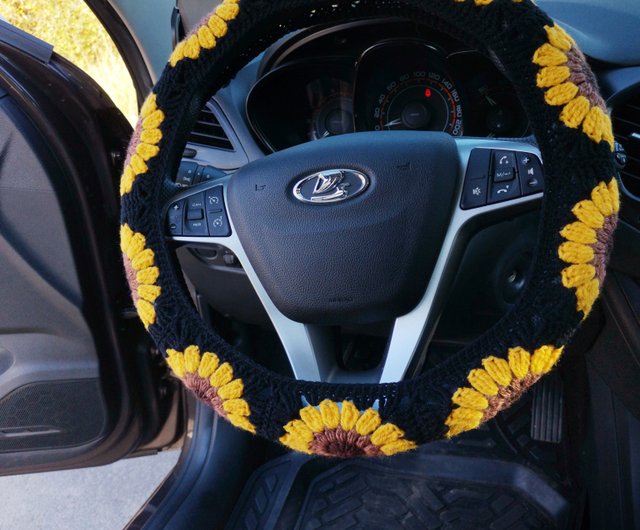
(399, 83)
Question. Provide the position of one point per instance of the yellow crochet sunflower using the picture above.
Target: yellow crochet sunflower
(498, 385)
(569, 83)
(205, 34)
(212, 383)
(141, 273)
(144, 143)
(333, 429)
(588, 242)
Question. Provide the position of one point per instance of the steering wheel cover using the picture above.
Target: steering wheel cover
(580, 209)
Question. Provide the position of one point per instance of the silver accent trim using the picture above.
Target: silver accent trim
(308, 346)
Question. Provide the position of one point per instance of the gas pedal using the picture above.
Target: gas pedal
(547, 409)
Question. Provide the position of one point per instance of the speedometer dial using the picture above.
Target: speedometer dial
(421, 100)
(406, 84)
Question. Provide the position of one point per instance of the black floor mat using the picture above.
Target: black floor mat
(424, 491)
(494, 478)
(363, 496)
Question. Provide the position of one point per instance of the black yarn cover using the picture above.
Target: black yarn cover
(546, 313)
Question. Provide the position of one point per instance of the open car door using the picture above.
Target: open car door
(78, 385)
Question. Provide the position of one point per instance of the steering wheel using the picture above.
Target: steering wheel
(368, 227)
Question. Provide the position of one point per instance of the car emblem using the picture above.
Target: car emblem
(333, 185)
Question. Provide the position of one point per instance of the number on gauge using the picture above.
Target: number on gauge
(421, 100)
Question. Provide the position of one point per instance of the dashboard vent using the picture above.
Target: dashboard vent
(208, 131)
(626, 127)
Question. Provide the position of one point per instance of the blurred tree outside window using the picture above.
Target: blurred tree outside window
(77, 34)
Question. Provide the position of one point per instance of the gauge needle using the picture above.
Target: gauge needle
(397, 121)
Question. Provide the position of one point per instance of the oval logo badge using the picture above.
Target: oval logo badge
(333, 185)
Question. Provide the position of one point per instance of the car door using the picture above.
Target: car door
(79, 383)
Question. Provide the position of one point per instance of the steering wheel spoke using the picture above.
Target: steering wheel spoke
(479, 161)
(308, 347)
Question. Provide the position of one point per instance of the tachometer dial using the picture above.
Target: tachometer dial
(302, 101)
(421, 100)
(333, 116)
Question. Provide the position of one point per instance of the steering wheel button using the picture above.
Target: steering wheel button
(531, 174)
(196, 228)
(474, 194)
(195, 215)
(195, 202)
(214, 200)
(503, 160)
(503, 191)
(478, 166)
(175, 217)
(218, 224)
(504, 175)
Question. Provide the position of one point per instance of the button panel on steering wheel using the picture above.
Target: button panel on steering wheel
(498, 175)
(199, 214)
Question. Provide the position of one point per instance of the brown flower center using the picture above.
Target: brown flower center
(344, 444)
(132, 279)
(205, 392)
(508, 395)
(602, 246)
(583, 78)
(133, 143)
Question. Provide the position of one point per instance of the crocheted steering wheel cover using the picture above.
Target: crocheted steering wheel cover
(580, 208)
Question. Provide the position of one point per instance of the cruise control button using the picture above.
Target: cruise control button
(503, 191)
(195, 202)
(195, 215)
(531, 174)
(218, 224)
(196, 228)
(213, 199)
(175, 216)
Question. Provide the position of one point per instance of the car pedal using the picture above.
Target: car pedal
(547, 410)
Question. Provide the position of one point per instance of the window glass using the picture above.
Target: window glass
(77, 34)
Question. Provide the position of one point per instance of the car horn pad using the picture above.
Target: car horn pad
(580, 208)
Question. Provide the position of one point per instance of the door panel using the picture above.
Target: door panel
(78, 383)
(50, 395)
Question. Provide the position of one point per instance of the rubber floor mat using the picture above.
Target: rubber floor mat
(425, 490)
(357, 496)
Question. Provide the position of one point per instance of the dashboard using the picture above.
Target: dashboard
(347, 79)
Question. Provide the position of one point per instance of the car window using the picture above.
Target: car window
(77, 34)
